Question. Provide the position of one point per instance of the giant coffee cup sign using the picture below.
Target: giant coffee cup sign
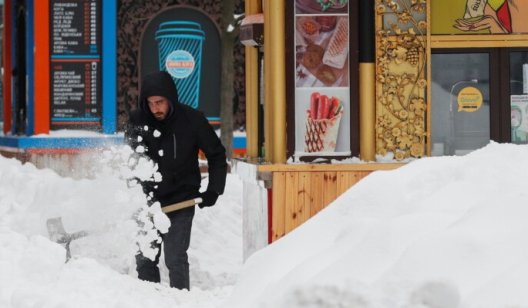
(180, 45)
(75, 64)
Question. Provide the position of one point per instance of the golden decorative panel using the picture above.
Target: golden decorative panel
(401, 52)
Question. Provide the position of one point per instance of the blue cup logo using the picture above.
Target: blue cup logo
(180, 45)
(180, 64)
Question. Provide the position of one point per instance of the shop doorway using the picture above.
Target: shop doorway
(478, 95)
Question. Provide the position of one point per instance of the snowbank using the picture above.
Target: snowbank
(445, 232)
(439, 232)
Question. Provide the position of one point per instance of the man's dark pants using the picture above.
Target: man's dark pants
(175, 244)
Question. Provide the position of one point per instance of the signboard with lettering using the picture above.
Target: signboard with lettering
(75, 74)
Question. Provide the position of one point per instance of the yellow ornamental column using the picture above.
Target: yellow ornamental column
(275, 80)
(252, 92)
(367, 111)
(367, 84)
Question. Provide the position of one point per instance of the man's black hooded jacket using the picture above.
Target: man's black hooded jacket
(174, 144)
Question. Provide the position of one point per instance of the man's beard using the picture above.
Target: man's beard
(159, 116)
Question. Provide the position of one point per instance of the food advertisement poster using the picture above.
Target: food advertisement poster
(322, 85)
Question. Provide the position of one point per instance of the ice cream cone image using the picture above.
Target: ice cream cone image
(322, 124)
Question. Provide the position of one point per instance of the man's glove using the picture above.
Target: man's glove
(209, 198)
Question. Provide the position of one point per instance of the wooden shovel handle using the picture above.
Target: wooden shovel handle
(181, 205)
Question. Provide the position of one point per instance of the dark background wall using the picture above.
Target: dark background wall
(133, 17)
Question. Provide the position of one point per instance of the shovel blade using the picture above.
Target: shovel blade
(56, 230)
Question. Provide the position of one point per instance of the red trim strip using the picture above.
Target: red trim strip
(42, 68)
(270, 215)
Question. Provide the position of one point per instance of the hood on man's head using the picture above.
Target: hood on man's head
(158, 84)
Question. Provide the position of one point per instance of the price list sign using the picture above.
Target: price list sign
(75, 74)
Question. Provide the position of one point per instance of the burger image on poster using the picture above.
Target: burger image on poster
(180, 54)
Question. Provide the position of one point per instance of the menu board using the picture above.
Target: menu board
(322, 83)
(75, 74)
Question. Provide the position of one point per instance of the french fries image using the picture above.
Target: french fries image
(322, 123)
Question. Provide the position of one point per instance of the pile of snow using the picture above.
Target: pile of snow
(442, 232)
(101, 273)
(446, 232)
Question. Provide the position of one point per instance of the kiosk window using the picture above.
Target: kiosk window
(460, 108)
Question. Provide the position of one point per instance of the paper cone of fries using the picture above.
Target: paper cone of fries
(322, 124)
(321, 135)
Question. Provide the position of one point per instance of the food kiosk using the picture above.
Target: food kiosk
(346, 88)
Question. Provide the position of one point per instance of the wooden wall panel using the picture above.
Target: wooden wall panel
(291, 206)
(316, 182)
(300, 192)
(345, 180)
(278, 208)
(361, 174)
(342, 182)
(305, 198)
(329, 187)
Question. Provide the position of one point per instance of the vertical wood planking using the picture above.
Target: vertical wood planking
(291, 201)
(353, 178)
(343, 182)
(360, 175)
(304, 196)
(329, 187)
(278, 210)
(316, 184)
(299, 195)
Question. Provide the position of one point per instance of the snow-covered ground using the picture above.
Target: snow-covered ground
(101, 273)
(438, 232)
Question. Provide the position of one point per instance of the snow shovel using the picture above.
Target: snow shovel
(59, 235)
